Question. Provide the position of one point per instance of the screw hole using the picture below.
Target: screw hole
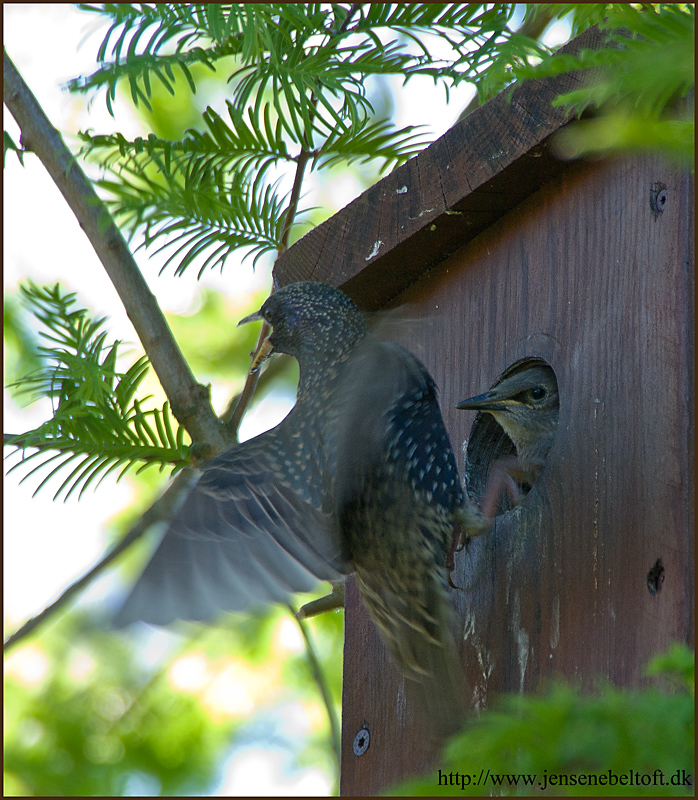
(655, 577)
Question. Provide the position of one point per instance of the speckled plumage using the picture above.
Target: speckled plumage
(258, 525)
(360, 476)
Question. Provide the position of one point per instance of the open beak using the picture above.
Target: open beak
(267, 347)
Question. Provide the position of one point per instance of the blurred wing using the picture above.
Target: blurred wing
(392, 428)
(242, 538)
(397, 490)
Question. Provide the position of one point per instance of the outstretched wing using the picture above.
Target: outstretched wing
(242, 538)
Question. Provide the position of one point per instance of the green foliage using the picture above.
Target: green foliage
(295, 47)
(298, 81)
(566, 733)
(633, 82)
(677, 667)
(198, 214)
(20, 341)
(8, 143)
(97, 419)
(84, 716)
(99, 723)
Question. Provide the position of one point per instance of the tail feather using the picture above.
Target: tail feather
(423, 647)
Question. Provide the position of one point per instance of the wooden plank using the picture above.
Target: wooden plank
(572, 264)
(412, 219)
(585, 275)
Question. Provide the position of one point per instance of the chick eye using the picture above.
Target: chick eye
(538, 393)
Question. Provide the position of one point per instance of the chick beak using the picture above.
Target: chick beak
(489, 401)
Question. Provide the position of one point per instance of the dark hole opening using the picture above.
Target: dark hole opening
(655, 577)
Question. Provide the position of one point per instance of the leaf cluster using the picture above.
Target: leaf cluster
(101, 721)
(100, 724)
(566, 733)
(98, 423)
(633, 82)
(192, 202)
(300, 51)
(298, 95)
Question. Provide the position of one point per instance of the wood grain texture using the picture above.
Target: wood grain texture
(585, 275)
(569, 263)
(429, 207)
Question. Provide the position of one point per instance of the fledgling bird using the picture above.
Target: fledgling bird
(526, 405)
(359, 477)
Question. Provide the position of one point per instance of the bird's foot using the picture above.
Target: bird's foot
(500, 480)
(331, 601)
(262, 355)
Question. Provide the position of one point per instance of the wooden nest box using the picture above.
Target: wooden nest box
(503, 253)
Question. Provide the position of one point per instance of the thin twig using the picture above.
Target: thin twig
(247, 393)
(271, 370)
(301, 162)
(161, 510)
(319, 677)
(189, 400)
(248, 389)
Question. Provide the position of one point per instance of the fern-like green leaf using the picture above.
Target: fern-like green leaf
(633, 82)
(210, 214)
(98, 424)
(298, 84)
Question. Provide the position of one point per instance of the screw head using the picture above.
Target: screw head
(361, 741)
(659, 197)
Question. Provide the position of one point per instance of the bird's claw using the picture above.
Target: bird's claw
(262, 355)
(331, 601)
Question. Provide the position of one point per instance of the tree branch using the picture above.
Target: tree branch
(272, 370)
(247, 393)
(161, 510)
(189, 400)
(319, 677)
(253, 374)
(301, 161)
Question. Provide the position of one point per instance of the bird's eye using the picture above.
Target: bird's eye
(266, 313)
(538, 393)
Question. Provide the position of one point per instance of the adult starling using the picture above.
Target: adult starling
(360, 476)
(525, 404)
(258, 525)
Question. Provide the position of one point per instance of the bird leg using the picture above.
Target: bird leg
(261, 355)
(459, 541)
(331, 601)
(505, 475)
(502, 478)
(472, 523)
